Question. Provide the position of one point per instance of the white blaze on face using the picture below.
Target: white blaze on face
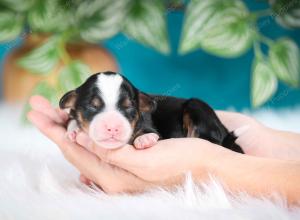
(109, 128)
(109, 86)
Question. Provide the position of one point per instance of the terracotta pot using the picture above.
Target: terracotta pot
(18, 83)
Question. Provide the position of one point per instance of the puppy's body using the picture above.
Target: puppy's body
(177, 117)
(114, 112)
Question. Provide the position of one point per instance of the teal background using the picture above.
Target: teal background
(223, 83)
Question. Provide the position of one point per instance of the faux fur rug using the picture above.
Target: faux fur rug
(37, 183)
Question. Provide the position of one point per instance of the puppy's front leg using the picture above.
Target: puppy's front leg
(145, 140)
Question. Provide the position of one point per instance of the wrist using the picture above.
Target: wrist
(224, 164)
(215, 161)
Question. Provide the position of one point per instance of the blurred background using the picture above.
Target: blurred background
(234, 54)
(240, 55)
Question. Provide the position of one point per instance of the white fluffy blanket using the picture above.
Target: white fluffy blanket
(37, 183)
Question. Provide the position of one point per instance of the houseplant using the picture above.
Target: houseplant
(54, 30)
(225, 28)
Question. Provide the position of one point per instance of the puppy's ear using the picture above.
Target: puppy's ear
(68, 100)
(146, 103)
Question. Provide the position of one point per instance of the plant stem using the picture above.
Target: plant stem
(268, 41)
(65, 57)
(257, 50)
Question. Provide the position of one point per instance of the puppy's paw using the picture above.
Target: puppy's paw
(72, 135)
(145, 140)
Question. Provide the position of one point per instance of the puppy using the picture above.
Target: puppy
(113, 112)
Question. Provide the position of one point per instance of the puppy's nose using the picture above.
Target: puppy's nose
(112, 129)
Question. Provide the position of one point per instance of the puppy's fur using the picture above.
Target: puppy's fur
(108, 98)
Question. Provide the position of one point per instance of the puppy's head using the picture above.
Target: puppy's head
(107, 106)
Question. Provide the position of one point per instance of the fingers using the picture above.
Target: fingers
(83, 160)
(127, 157)
(113, 180)
(110, 179)
(47, 126)
(55, 132)
(40, 104)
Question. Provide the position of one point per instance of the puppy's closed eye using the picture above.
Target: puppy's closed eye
(126, 103)
(96, 103)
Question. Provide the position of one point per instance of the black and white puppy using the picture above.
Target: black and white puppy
(113, 112)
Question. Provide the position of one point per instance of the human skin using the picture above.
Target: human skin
(264, 169)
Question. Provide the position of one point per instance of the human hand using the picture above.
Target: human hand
(249, 131)
(51, 122)
(172, 158)
(166, 162)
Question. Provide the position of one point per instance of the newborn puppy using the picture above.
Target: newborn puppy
(113, 112)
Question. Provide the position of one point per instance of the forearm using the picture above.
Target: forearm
(286, 145)
(258, 176)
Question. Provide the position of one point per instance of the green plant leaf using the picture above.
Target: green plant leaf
(146, 23)
(220, 27)
(99, 20)
(42, 59)
(286, 12)
(11, 25)
(49, 92)
(18, 5)
(50, 16)
(44, 89)
(285, 59)
(264, 82)
(73, 75)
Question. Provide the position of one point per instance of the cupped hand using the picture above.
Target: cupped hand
(126, 169)
(51, 122)
(165, 164)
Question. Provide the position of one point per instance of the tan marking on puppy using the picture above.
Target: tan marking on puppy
(126, 103)
(188, 125)
(145, 103)
(133, 124)
(68, 100)
(84, 124)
